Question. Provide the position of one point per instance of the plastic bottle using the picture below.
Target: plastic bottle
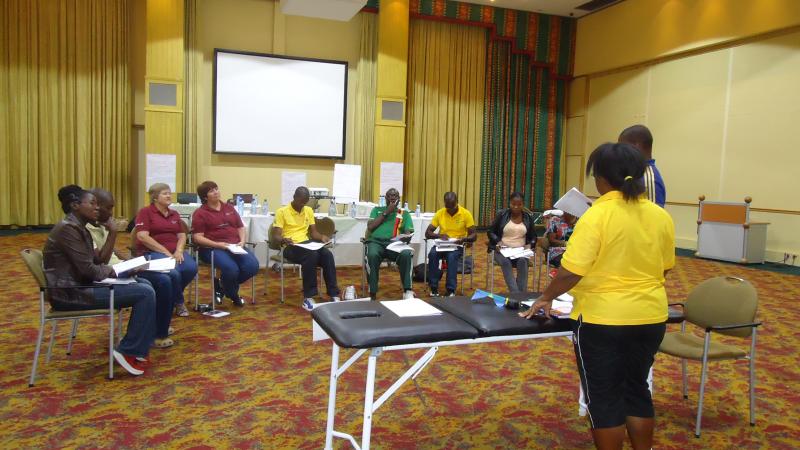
(350, 293)
(332, 209)
(239, 205)
(255, 207)
(353, 210)
(418, 211)
(265, 207)
(381, 201)
(405, 206)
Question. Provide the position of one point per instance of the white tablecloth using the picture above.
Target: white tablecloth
(349, 231)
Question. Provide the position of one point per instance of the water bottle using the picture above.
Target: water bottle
(350, 293)
(418, 211)
(332, 209)
(239, 205)
(353, 210)
(255, 207)
(405, 206)
(266, 207)
(381, 201)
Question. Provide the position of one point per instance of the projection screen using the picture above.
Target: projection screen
(278, 105)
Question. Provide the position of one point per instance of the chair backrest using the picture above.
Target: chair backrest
(326, 226)
(33, 259)
(134, 245)
(273, 244)
(723, 301)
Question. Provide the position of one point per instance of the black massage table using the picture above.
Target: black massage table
(370, 326)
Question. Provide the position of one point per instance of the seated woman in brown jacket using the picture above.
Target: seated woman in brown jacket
(69, 263)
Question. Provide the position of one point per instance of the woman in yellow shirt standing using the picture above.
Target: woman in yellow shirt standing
(614, 266)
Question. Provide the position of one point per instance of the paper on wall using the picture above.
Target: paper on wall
(160, 168)
(391, 177)
(289, 182)
(346, 183)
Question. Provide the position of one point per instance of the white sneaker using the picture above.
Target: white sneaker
(408, 294)
(336, 299)
(308, 304)
(127, 364)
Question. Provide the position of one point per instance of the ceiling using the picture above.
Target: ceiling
(554, 7)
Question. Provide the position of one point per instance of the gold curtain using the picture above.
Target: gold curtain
(363, 128)
(446, 83)
(193, 63)
(64, 104)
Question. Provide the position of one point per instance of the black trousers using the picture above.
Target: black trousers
(309, 260)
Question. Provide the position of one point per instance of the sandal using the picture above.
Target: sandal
(163, 343)
(170, 331)
(181, 311)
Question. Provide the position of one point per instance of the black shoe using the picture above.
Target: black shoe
(238, 301)
(434, 292)
(450, 293)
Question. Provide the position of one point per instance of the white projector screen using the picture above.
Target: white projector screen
(278, 105)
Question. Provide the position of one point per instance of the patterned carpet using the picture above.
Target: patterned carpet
(255, 380)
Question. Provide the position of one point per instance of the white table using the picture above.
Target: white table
(349, 231)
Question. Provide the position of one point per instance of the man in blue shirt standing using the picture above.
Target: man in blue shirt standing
(641, 138)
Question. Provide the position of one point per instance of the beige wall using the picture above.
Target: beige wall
(724, 123)
(254, 25)
(636, 31)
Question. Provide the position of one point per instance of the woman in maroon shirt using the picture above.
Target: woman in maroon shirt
(216, 225)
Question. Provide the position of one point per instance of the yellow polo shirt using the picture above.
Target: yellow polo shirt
(454, 226)
(99, 237)
(294, 224)
(621, 249)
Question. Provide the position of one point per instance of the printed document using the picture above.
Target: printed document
(130, 264)
(311, 245)
(412, 307)
(573, 202)
(161, 265)
(236, 249)
(398, 246)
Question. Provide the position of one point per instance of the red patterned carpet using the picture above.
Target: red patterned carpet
(255, 380)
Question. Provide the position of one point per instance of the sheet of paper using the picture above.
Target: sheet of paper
(573, 202)
(391, 177)
(289, 182)
(161, 169)
(311, 245)
(398, 246)
(565, 297)
(400, 237)
(162, 264)
(117, 281)
(236, 249)
(347, 183)
(130, 264)
(216, 313)
(516, 252)
(412, 307)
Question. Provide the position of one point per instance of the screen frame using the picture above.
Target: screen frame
(282, 155)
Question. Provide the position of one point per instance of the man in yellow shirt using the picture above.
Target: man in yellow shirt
(454, 223)
(615, 265)
(295, 224)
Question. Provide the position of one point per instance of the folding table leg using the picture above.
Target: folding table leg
(332, 398)
(368, 397)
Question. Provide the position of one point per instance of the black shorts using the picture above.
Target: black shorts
(613, 362)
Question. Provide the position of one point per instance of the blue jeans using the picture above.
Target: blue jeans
(141, 326)
(181, 276)
(435, 274)
(165, 298)
(236, 269)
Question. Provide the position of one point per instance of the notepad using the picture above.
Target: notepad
(130, 264)
(236, 249)
(516, 252)
(412, 307)
(398, 247)
(161, 265)
(117, 281)
(311, 245)
(573, 202)
(446, 245)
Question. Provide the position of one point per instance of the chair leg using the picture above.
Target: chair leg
(282, 278)
(213, 291)
(52, 340)
(364, 270)
(111, 336)
(425, 262)
(119, 326)
(266, 271)
(36, 353)
(703, 375)
(685, 378)
(72, 335)
(753, 379)
(253, 290)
